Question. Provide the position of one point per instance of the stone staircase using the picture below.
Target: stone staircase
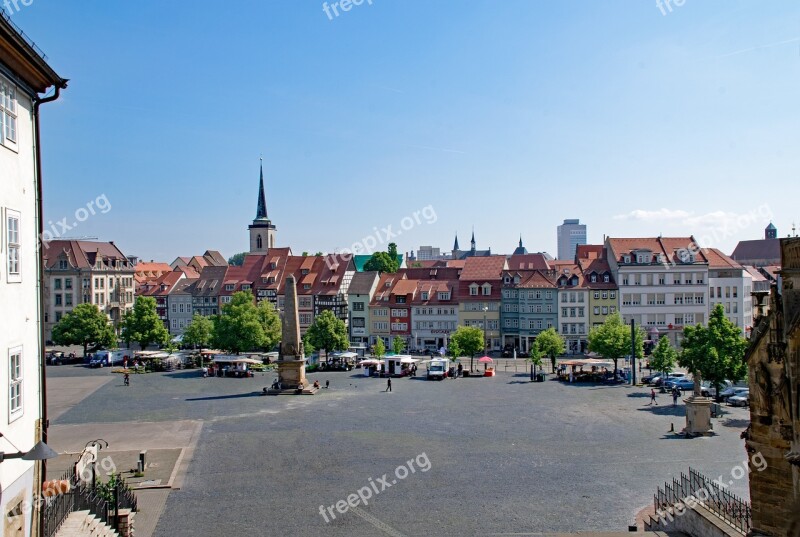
(84, 524)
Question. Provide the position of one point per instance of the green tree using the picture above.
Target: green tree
(453, 351)
(535, 356)
(392, 251)
(469, 340)
(318, 254)
(142, 324)
(238, 327)
(199, 332)
(714, 352)
(398, 345)
(328, 332)
(381, 262)
(85, 325)
(237, 260)
(551, 344)
(308, 348)
(612, 340)
(664, 356)
(270, 322)
(379, 349)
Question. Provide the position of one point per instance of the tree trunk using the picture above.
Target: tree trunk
(553, 363)
(85, 348)
(615, 366)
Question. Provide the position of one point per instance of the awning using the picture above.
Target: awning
(371, 362)
(235, 360)
(484, 360)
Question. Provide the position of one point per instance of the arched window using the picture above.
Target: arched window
(258, 242)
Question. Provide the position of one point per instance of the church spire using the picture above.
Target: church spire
(472, 242)
(520, 241)
(261, 210)
(455, 245)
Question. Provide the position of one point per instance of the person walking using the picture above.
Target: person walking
(675, 394)
(127, 379)
(652, 397)
(389, 384)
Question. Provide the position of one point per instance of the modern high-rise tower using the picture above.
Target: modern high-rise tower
(570, 234)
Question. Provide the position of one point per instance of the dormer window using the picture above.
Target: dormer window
(229, 287)
(507, 279)
(626, 259)
(304, 271)
(473, 289)
(424, 295)
(273, 266)
(487, 289)
(606, 278)
(245, 286)
(271, 279)
(306, 286)
(444, 295)
(594, 278)
(516, 280)
(62, 264)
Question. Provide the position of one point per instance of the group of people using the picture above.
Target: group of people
(675, 392)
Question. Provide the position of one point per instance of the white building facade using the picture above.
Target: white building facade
(23, 76)
(730, 285)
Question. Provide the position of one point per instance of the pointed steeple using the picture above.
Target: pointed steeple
(261, 210)
(455, 245)
(472, 242)
(520, 241)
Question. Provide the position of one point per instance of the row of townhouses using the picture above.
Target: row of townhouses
(660, 283)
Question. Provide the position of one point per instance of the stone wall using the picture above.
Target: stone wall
(773, 361)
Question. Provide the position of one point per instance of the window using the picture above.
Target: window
(537, 295)
(597, 295)
(444, 295)
(58, 299)
(473, 290)
(68, 299)
(175, 308)
(487, 289)
(711, 294)
(229, 287)
(605, 295)
(305, 318)
(605, 310)
(597, 310)
(612, 295)
(8, 113)
(57, 283)
(15, 383)
(605, 278)
(735, 291)
(563, 312)
(612, 309)
(358, 306)
(67, 283)
(12, 242)
(594, 278)
(548, 295)
(174, 323)
(400, 300)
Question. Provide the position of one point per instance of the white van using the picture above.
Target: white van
(437, 369)
(109, 358)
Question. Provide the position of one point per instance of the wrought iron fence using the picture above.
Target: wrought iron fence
(698, 488)
(85, 496)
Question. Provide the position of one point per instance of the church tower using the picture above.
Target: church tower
(262, 230)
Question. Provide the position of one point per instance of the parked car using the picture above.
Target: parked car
(732, 392)
(672, 379)
(707, 389)
(684, 384)
(647, 379)
(105, 358)
(742, 398)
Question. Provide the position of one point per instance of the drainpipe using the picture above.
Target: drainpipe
(42, 356)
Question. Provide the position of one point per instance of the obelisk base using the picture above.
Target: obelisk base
(292, 379)
(698, 416)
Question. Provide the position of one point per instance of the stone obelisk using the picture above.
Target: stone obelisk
(292, 361)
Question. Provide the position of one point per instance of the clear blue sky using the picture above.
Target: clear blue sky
(508, 116)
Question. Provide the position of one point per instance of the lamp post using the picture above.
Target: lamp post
(485, 343)
(633, 354)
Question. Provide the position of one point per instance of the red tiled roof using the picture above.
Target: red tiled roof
(716, 259)
(528, 262)
(589, 251)
(483, 268)
(82, 254)
(405, 287)
(669, 246)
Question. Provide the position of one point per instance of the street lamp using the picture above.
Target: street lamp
(39, 452)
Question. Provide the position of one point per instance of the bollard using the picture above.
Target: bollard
(142, 460)
(672, 427)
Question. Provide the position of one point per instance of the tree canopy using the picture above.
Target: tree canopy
(142, 324)
(612, 339)
(237, 260)
(551, 344)
(664, 356)
(328, 332)
(85, 325)
(381, 262)
(468, 340)
(714, 352)
(535, 356)
(379, 349)
(199, 332)
(270, 322)
(398, 344)
(238, 327)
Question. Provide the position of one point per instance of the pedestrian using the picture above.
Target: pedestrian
(205, 372)
(460, 370)
(675, 394)
(327, 384)
(652, 397)
(389, 384)
(127, 379)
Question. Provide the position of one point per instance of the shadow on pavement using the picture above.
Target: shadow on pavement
(737, 423)
(234, 396)
(665, 410)
(184, 374)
